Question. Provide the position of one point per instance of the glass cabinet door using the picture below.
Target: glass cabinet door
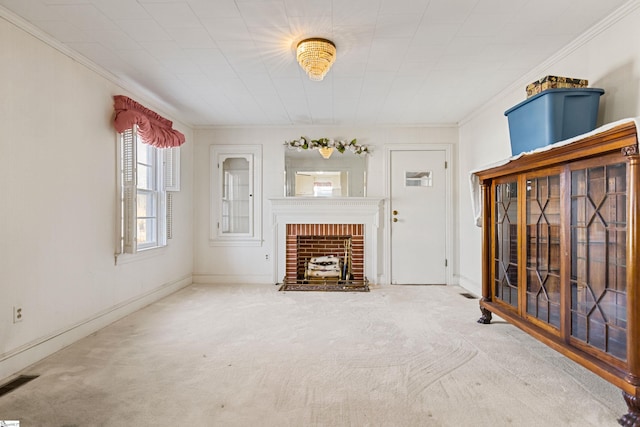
(505, 277)
(236, 195)
(598, 257)
(543, 249)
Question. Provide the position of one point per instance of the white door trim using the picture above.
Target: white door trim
(448, 148)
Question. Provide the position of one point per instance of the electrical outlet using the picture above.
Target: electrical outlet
(266, 257)
(17, 314)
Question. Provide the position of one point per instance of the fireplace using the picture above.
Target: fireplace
(358, 218)
(307, 241)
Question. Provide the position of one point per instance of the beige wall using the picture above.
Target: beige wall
(240, 264)
(58, 210)
(608, 56)
(57, 178)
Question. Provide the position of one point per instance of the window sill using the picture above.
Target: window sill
(235, 242)
(141, 255)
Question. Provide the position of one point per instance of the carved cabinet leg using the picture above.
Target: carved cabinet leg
(485, 319)
(632, 419)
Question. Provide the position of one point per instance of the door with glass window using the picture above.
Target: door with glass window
(418, 217)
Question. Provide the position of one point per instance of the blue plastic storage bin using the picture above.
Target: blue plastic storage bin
(551, 116)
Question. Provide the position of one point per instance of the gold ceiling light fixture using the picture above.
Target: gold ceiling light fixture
(316, 56)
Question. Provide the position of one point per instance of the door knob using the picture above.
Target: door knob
(395, 212)
(395, 219)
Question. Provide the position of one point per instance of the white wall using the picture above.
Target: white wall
(241, 264)
(608, 56)
(57, 178)
(58, 210)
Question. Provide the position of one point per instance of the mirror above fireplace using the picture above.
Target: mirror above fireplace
(308, 174)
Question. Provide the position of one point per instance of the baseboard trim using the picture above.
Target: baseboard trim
(219, 279)
(469, 284)
(24, 356)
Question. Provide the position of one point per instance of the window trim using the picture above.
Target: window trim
(126, 230)
(252, 153)
(158, 196)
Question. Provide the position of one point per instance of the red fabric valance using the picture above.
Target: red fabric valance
(153, 128)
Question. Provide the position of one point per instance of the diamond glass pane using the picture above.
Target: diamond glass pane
(543, 249)
(598, 267)
(506, 247)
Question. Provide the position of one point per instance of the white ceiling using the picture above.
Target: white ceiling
(232, 62)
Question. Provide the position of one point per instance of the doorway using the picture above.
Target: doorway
(419, 211)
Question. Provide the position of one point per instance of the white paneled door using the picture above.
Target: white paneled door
(418, 216)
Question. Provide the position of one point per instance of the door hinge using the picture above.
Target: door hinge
(446, 164)
(218, 225)
(446, 263)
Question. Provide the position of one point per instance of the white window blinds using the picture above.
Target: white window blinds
(129, 190)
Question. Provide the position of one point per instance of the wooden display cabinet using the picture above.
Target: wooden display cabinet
(560, 256)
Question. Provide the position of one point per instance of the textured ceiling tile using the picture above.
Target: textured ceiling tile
(173, 15)
(207, 9)
(145, 30)
(122, 9)
(57, 2)
(227, 58)
(447, 11)
(86, 17)
(355, 12)
(115, 40)
(64, 32)
(191, 38)
(223, 29)
(396, 26)
(413, 7)
(308, 8)
(264, 13)
(33, 10)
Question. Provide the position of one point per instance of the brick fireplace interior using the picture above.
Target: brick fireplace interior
(311, 240)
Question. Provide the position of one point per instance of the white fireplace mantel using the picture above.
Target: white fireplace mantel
(329, 210)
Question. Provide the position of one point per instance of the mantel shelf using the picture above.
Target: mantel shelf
(326, 201)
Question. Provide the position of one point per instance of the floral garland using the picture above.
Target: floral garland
(341, 145)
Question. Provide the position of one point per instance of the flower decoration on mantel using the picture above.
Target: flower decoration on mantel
(326, 146)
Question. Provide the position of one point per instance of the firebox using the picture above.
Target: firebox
(312, 241)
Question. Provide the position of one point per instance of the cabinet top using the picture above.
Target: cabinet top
(605, 139)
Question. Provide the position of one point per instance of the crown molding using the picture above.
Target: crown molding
(332, 126)
(139, 92)
(577, 43)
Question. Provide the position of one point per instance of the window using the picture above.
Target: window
(146, 173)
(150, 197)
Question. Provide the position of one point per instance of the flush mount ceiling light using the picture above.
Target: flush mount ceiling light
(316, 56)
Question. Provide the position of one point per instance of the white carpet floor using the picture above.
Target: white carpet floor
(248, 355)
